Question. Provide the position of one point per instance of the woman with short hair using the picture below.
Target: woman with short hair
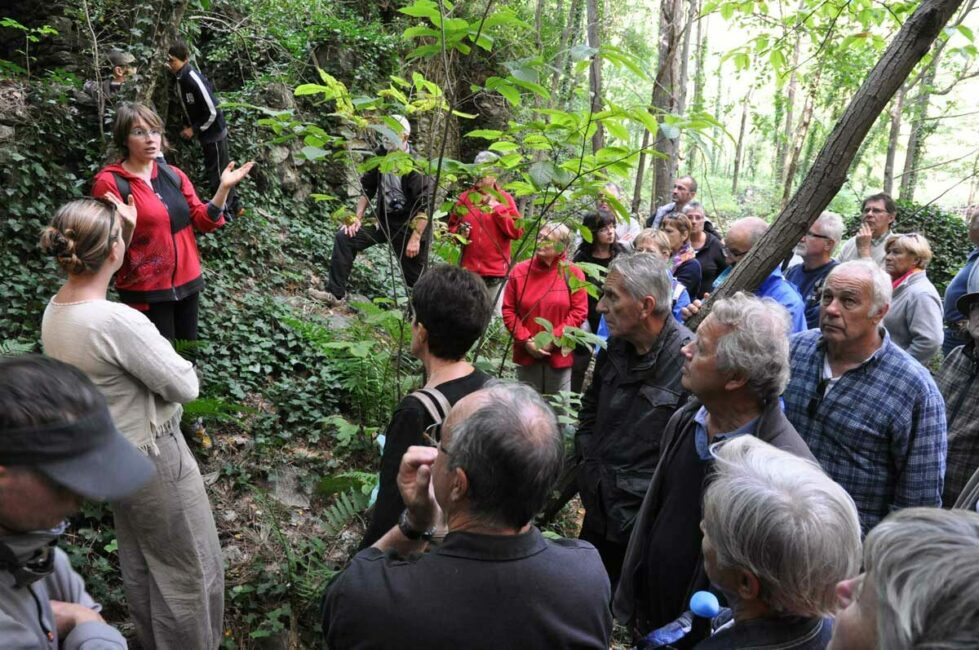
(550, 288)
(161, 273)
(684, 265)
(706, 245)
(914, 319)
(172, 568)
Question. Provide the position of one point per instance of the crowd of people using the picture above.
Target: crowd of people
(792, 455)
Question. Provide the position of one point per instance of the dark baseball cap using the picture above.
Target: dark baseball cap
(87, 454)
(964, 304)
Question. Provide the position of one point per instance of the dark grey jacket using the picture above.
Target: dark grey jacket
(622, 418)
(772, 427)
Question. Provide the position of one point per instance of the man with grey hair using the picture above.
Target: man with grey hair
(402, 217)
(741, 236)
(920, 586)
(495, 581)
(870, 413)
(816, 251)
(634, 392)
(778, 536)
(736, 367)
(684, 190)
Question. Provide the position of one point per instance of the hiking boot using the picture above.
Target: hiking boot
(325, 297)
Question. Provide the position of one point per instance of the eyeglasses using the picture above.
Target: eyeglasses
(818, 398)
(141, 133)
(810, 233)
(730, 252)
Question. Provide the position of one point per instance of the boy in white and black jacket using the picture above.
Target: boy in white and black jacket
(206, 120)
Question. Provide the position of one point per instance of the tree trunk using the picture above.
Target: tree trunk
(154, 89)
(896, 107)
(785, 141)
(799, 140)
(637, 192)
(916, 139)
(716, 133)
(830, 168)
(740, 146)
(665, 98)
(595, 72)
(681, 101)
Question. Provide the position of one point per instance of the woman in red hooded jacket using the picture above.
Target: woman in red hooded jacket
(161, 273)
(541, 287)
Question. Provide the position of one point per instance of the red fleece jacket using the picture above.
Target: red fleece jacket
(488, 251)
(162, 263)
(536, 290)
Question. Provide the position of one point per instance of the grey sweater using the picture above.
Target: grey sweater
(26, 616)
(915, 318)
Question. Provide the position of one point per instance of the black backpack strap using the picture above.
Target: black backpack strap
(123, 186)
(166, 171)
(435, 403)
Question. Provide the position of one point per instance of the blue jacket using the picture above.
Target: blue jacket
(781, 291)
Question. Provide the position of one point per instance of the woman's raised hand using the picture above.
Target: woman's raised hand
(127, 212)
(231, 176)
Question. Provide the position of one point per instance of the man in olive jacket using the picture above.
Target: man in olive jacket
(634, 392)
(736, 367)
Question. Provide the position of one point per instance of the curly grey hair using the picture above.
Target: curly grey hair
(924, 565)
(757, 343)
(779, 517)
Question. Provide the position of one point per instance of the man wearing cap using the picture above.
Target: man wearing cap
(58, 445)
(122, 68)
(958, 380)
(484, 218)
(402, 218)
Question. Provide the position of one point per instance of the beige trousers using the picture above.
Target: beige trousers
(171, 561)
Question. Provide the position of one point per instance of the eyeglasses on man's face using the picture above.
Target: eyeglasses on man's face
(810, 233)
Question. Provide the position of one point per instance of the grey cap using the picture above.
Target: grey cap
(120, 58)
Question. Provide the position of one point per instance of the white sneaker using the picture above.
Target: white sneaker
(325, 297)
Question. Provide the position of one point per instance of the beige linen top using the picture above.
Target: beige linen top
(141, 376)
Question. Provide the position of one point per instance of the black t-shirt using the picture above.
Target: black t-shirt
(712, 263)
(582, 256)
(407, 425)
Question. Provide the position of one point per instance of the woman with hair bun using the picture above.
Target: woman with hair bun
(171, 562)
(161, 274)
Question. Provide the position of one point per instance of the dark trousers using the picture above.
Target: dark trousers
(216, 158)
(176, 320)
(582, 357)
(612, 554)
(345, 249)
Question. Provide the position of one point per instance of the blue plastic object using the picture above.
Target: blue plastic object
(705, 604)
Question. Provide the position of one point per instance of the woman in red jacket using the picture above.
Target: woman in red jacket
(486, 216)
(541, 287)
(161, 273)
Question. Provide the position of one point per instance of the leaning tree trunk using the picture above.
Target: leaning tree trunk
(895, 132)
(665, 97)
(829, 171)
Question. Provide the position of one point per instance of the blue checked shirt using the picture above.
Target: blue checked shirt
(879, 431)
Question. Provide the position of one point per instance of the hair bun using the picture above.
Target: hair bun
(55, 243)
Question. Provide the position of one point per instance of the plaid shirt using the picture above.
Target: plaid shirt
(879, 431)
(958, 380)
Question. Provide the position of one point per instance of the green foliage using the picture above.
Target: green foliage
(947, 234)
(346, 507)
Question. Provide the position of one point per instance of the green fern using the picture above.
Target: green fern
(12, 347)
(347, 506)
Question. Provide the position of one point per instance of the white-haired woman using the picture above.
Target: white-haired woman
(778, 536)
(169, 552)
(550, 288)
(914, 320)
(920, 586)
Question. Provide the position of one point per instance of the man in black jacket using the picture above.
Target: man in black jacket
(736, 367)
(204, 119)
(634, 392)
(402, 219)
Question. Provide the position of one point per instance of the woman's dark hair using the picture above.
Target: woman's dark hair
(595, 221)
(128, 113)
(179, 50)
(453, 305)
(37, 390)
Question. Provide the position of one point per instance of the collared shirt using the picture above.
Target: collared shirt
(703, 442)
(850, 252)
(880, 433)
(809, 282)
(474, 591)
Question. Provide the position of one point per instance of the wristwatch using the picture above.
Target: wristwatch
(410, 532)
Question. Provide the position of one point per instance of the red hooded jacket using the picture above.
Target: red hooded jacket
(488, 251)
(162, 263)
(536, 290)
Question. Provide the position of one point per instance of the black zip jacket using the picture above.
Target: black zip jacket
(201, 107)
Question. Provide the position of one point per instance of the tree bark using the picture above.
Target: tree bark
(740, 145)
(916, 138)
(595, 72)
(799, 140)
(154, 89)
(665, 98)
(895, 132)
(785, 142)
(829, 170)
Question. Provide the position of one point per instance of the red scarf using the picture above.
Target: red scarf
(896, 283)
